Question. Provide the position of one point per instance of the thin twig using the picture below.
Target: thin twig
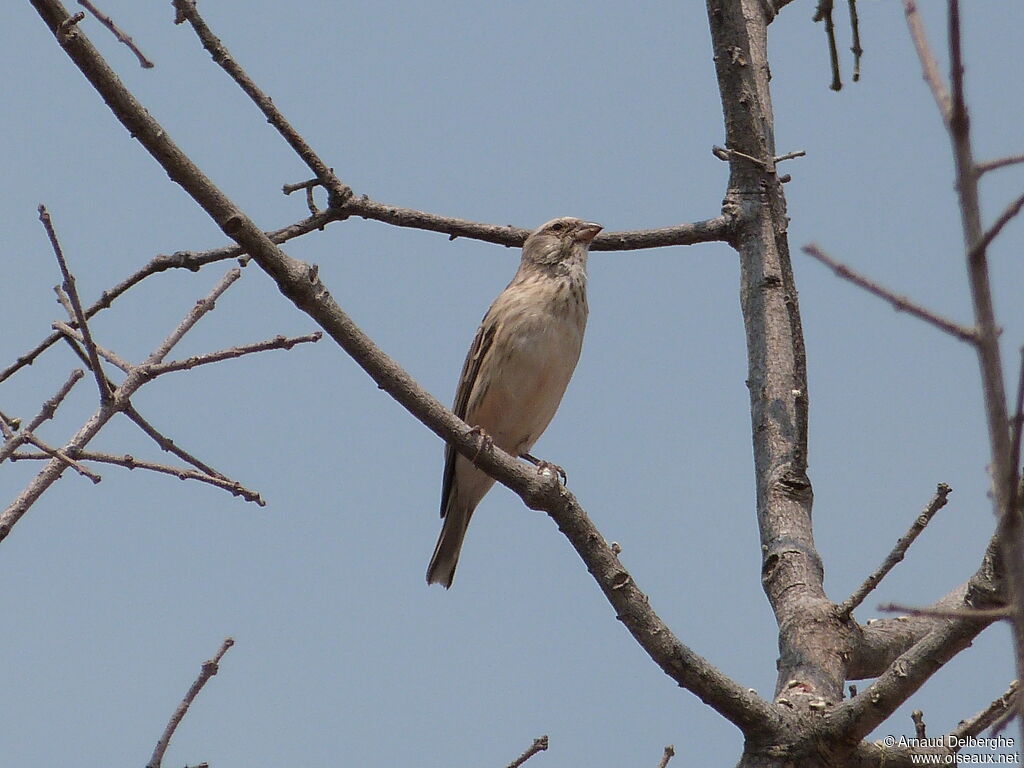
(992, 232)
(974, 725)
(790, 156)
(46, 412)
(120, 401)
(1001, 162)
(202, 306)
(937, 502)
(928, 63)
(726, 154)
(209, 670)
(339, 192)
(948, 613)
(48, 452)
(278, 342)
(64, 301)
(130, 462)
(667, 755)
(712, 230)
(169, 445)
(106, 354)
(824, 13)
(900, 303)
(857, 50)
(121, 36)
(539, 745)
(72, 291)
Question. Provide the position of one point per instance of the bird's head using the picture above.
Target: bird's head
(560, 241)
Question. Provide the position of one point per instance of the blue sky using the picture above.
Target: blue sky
(506, 113)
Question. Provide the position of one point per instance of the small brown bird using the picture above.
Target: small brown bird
(517, 369)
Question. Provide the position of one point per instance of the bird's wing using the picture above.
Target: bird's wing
(467, 381)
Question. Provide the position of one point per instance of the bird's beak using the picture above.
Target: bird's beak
(587, 232)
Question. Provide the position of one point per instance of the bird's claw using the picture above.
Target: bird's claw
(485, 442)
(546, 466)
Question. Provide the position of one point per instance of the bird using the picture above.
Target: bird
(516, 371)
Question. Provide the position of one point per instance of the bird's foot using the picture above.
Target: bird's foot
(484, 443)
(546, 466)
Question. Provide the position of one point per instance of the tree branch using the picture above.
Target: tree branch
(896, 555)
(130, 462)
(792, 573)
(302, 285)
(210, 668)
(539, 745)
(118, 401)
(899, 303)
(45, 413)
(76, 304)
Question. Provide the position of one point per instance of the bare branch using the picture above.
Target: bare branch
(48, 452)
(47, 411)
(194, 316)
(120, 397)
(300, 284)
(189, 260)
(927, 59)
(169, 445)
(899, 303)
(209, 669)
(121, 36)
(896, 555)
(106, 354)
(857, 50)
(1004, 474)
(72, 291)
(790, 156)
(824, 13)
(130, 462)
(667, 755)
(539, 745)
(947, 613)
(992, 232)
(1002, 162)
(712, 230)
(974, 725)
(856, 718)
(338, 191)
(278, 342)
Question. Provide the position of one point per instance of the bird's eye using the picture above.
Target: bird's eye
(558, 227)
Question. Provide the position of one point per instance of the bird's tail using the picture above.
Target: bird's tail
(446, 554)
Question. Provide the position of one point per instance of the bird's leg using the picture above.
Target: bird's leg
(485, 442)
(542, 465)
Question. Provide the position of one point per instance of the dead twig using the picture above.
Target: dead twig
(937, 502)
(130, 462)
(45, 413)
(982, 614)
(899, 303)
(539, 745)
(209, 669)
(72, 292)
(121, 36)
(824, 13)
